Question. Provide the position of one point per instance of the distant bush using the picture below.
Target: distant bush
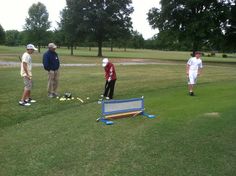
(213, 53)
(224, 55)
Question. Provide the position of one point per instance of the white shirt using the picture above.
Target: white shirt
(194, 64)
(28, 60)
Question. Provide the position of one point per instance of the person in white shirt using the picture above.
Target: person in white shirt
(193, 69)
(26, 73)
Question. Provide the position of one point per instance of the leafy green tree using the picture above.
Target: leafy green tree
(37, 23)
(23, 39)
(2, 35)
(12, 38)
(192, 21)
(69, 25)
(98, 20)
(151, 43)
(137, 40)
(231, 28)
(58, 37)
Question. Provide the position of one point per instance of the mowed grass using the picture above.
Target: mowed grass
(84, 53)
(191, 136)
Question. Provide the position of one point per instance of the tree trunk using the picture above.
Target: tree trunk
(99, 48)
(71, 50)
(111, 46)
(39, 48)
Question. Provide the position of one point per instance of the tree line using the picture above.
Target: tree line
(186, 25)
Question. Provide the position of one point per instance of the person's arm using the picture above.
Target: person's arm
(199, 71)
(187, 69)
(200, 68)
(188, 66)
(45, 62)
(25, 70)
(110, 73)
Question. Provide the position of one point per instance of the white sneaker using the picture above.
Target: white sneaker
(23, 103)
(107, 98)
(50, 95)
(30, 100)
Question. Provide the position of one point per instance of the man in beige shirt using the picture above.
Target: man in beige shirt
(26, 73)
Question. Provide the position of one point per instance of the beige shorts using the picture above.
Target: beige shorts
(28, 83)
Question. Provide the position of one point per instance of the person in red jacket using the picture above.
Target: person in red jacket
(110, 76)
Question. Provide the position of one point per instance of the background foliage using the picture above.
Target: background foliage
(183, 26)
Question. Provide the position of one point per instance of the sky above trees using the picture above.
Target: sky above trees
(13, 14)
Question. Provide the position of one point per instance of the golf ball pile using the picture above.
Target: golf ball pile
(64, 99)
(72, 98)
(78, 98)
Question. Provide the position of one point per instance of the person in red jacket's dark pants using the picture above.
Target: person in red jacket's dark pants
(110, 76)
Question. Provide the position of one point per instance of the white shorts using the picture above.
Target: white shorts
(192, 78)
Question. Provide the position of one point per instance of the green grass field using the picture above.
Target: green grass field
(193, 136)
(82, 54)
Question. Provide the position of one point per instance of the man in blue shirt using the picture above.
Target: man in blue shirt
(51, 64)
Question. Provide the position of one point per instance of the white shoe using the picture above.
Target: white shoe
(30, 100)
(23, 103)
(107, 98)
(50, 95)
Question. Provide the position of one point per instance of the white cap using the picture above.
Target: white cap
(52, 45)
(104, 62)
(31, 46)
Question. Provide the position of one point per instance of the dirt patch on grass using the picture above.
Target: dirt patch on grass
(212, 114)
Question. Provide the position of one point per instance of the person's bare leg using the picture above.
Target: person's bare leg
(25, 95)
(190, 87)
